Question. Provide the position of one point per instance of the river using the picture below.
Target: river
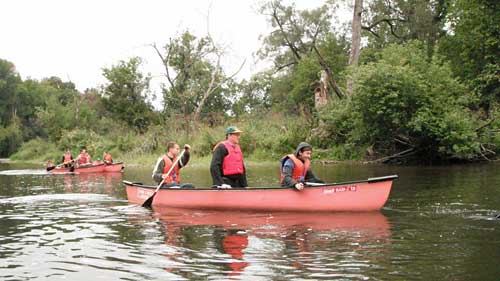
(438, 224)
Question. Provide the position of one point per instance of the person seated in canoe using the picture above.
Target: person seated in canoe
(84, 159)
(164, 164)
(295, 169)
(50, 165)
(106, 157)
(227, 167)
(67, 159)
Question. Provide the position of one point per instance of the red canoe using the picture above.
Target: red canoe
(115, 167)
(367, 195)
(94, 168)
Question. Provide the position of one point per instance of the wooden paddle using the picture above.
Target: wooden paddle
(59, 166)
(149, 201)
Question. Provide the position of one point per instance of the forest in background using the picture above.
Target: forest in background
(407, 81)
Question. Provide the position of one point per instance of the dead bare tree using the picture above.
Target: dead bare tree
(217, 79)
(356, 41)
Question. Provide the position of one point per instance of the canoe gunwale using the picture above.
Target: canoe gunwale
(369, 180)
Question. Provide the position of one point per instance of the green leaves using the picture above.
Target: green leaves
(405, 101)
(193, 66)
(125, 95)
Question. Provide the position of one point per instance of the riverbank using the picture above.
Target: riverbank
(195, 161)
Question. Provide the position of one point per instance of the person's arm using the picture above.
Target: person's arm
(244, 182)
(310, 177)
(184, 159)
(216, 164)
(287, 169)
(158, 170)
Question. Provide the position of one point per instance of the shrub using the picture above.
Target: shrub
(404, 101)
(37, 149)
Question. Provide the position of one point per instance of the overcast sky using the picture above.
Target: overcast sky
(75, 39)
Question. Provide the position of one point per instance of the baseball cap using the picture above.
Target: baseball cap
(233, 130)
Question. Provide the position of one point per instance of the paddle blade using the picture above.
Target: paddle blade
(149, 202)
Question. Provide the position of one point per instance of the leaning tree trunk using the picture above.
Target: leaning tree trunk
(356, 41)
(321, 91)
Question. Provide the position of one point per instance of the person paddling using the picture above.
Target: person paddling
(165, 162)
(106, 157)
(227, 167)
(296, 168)
(50, 165)
(67, 159)
(84, 158)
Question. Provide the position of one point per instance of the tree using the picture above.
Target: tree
(355, 40)
(296, 36)
(407, 106)
(399, 21)
(254, 95)
(9, 81)
(473, 47)
(194, 73)
(125, 95)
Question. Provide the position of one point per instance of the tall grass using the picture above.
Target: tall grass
(264, 138)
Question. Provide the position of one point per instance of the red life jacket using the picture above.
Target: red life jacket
(299, 168)
(234, 245)
(84, 158)
(67, 157)
(233, 162)
(175, 175)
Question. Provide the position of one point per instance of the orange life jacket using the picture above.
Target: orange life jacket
(107, 158)
(233, 162)
(299, 168)
(67, 157)
(175, 175)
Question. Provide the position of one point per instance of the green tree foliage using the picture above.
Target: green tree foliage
(58, 111)
(9, 80)
(473, 47)
(301, 46)
(403, 102)
(399, 21)
(125, 95)
(10, 138)
(254, 95)
(192, 64)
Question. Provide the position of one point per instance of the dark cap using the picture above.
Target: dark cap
(301, 147)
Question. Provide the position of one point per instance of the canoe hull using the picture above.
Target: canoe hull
(113, 168)
(369, 195)
(88, 169)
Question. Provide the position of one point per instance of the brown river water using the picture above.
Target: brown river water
(438, 224)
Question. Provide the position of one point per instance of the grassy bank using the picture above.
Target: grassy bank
(264, 139)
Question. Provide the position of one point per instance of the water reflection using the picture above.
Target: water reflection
(437, 225)
(32, 182)
(274, 244)
(91, 183)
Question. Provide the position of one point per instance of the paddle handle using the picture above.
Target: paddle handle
(315, 184)
(170, 170)
(63, 163)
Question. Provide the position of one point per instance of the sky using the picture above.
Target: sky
(75, 39)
